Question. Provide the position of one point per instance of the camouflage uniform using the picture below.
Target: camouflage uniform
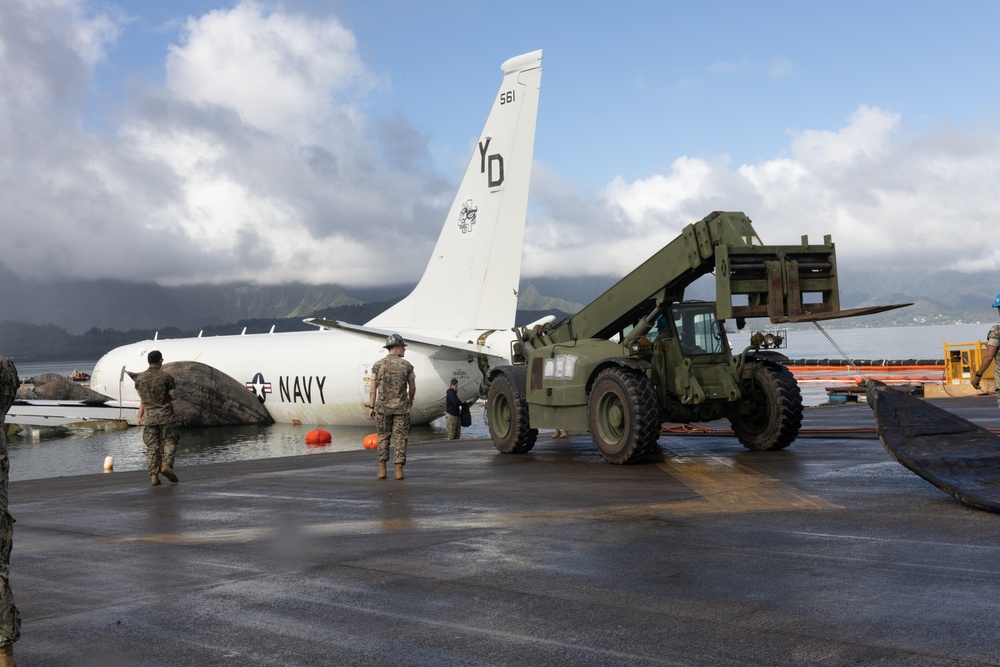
(993, 338)
(156, 388)
(392, 376)
(10, 617)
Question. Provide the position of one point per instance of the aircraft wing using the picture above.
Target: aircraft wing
(61, 413)
(467, 347)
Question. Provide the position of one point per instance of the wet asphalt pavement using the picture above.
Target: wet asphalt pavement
(829, 553)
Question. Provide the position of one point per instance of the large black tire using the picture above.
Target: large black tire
(508, 418)
(624, 415)
(775, 403)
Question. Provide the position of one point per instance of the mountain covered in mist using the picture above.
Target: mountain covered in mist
(942, 297)
(77, 306)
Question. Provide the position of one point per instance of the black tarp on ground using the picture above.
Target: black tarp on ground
(955, 455)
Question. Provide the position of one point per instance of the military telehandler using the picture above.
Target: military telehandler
(640, 355)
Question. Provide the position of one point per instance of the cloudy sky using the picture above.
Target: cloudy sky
(209, 140)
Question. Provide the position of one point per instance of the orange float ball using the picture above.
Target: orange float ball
(318, 438)
(371, 441)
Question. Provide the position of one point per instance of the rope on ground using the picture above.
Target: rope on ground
(693, 429)
(806, 433)
(701, 430)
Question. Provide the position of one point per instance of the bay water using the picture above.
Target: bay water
(56, 451)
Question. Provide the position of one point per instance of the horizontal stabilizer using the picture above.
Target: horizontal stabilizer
(955, 455)
(382, 334)
(837, 314)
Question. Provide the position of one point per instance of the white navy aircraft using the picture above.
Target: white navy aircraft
(459, 315)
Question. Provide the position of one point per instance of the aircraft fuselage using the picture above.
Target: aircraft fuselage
(310, 377)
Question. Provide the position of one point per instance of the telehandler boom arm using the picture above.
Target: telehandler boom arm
(786, 283)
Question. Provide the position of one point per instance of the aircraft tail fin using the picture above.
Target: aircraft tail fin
(471, 281)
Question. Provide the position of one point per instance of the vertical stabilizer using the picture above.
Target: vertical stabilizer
(472, 278)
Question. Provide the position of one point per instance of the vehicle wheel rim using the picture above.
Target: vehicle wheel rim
(501, 410)
(612, 418)
(616, 419)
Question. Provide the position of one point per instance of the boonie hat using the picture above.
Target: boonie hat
(396, 339)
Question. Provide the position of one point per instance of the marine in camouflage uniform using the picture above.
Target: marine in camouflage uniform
(157, 391)
(993, 340)
(992, 353)
(10, 618)
(392, 387)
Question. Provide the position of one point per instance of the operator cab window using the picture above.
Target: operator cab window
(697, 329)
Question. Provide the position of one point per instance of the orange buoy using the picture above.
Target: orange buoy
(371, 441)
(318, 438)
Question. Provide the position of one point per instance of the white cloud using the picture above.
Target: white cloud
(251, 161)
(779, 68)
(254, 159)
(889, 198)
(659, 195)
(46, 50)
(278, 72)
(866, 137)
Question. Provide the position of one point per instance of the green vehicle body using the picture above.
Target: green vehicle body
(640, 355)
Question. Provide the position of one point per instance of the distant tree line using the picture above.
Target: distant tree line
(47, 342)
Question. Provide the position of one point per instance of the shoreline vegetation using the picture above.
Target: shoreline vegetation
(24, 342)
(80, 319)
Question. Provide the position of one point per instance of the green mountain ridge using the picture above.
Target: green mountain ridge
(90, 317)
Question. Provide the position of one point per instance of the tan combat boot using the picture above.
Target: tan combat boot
(381, 469)
(154, 480)
(168, 472)
(7, 655)
(399, 471)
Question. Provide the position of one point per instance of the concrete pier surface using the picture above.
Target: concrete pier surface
(828, 553)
